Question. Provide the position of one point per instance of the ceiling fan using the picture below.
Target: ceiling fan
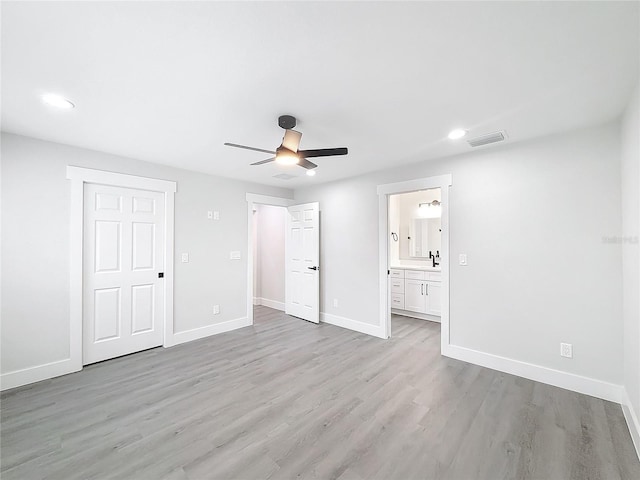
(287, 153)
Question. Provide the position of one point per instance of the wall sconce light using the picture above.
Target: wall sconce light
(430, 209)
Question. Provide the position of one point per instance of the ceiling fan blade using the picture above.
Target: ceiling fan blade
(323, 152)
(291, 140)
(304, 163)
(264, 161)
(249, 148)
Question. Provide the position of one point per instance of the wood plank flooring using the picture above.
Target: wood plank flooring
(290, 399)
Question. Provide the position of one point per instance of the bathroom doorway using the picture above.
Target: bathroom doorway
(414, 269)
(415, 243)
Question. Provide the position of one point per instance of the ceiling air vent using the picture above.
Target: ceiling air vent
(487, 139)
(284, 176)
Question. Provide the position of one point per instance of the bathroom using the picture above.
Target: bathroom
(414, 254)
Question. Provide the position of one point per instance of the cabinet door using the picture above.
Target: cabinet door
(434, 298)
(415, 299)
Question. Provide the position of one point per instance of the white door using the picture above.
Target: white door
(302, 252)
(123, 260)
(434, 298)
(414, 296)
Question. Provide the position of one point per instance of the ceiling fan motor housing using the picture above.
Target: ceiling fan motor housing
(287, 122)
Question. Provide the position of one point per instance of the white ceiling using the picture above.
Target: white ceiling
(170, 82)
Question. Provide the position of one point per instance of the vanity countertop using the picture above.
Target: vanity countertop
(416, 267)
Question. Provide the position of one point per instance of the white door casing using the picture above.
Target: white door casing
(302, 253)
(124, 251)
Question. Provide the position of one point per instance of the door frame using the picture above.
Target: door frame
(79, 176)
(256, 199)
(384, 191)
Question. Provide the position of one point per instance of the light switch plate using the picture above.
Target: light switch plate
(216, 309)
(185, 258)
(235, 255)
(463, 259)
(216, 215)
(209, 215)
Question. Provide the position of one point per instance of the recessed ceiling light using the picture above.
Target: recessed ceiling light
(457, 133)
(311, 173)
(57, 101)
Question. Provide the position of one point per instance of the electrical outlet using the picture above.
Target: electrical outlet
(566, 350)
(209, 215)
(216, 215)
(463, 259)
(185, 258)
(216, 309)
(335, 303)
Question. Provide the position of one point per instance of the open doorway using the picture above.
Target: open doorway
(301, 252)
(415, 272)
(269, 223)
(415, 244)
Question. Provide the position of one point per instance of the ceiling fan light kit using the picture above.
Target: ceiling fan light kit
(287, 153)
(284, 156)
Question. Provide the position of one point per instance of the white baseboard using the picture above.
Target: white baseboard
(420, 316)
(201, 332)
(271, 304)
(557, 378)
(256, 301)
(351, 324)
(630, 415)
(38, 373)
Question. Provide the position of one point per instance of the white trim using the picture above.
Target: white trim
(102, 177)
(271, 303)
(256, 301)
(351, 324)
(252, 199)
(443, 182)
(557, 378)
(631, 417)
(79, 176)
(35, 374)
(208, 330)
(420, 316)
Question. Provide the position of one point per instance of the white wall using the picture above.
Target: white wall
(539, 272)
(630, 129)
(270, 254)
(35, 245)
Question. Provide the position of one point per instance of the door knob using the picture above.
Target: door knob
(313, 268)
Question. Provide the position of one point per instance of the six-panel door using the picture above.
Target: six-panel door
(123, 253)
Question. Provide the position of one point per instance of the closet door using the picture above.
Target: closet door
(123, 269)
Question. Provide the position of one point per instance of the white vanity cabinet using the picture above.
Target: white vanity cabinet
(416, 291)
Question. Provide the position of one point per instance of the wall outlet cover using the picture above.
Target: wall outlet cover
(463, 259)
(216, 309)
(209, 215)
(566, 350)
(335, 303)
(185, 258)
(216, 215)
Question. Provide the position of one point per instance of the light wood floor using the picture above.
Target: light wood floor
(289, 399)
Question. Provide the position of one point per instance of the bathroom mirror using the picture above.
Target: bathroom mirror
(424, 236)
